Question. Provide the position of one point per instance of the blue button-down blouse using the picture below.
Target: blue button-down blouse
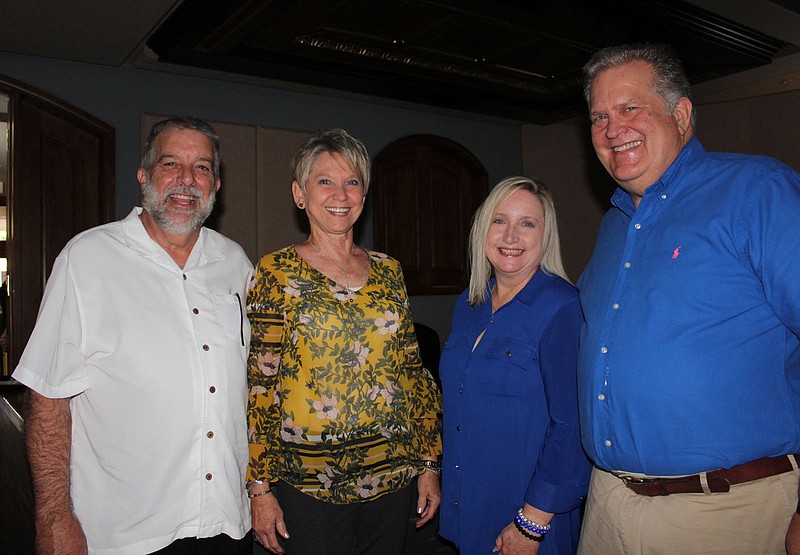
(510, 417)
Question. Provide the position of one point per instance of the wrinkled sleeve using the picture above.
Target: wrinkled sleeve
(263, 374)
(53, 363)
(423, 393)
(561, 477)
(771, 237)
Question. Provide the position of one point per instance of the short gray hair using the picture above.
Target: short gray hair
(334, 141)
(195, 124)
(669, 81)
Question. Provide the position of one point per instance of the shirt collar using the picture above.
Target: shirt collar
(207, 248)
(532, 289)
(690, 152)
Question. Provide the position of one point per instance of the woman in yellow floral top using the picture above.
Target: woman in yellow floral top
(342, 414)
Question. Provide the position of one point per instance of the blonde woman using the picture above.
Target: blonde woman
(343, 416)
(514, 473)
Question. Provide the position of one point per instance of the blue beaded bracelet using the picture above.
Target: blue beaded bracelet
(528, 524)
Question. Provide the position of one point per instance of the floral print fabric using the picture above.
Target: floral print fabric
(340, 405)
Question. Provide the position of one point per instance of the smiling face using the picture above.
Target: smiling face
(180, 189)
(333, 195)
(634, 136)
(515, 236)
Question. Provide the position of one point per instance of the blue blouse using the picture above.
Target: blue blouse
(511, 417)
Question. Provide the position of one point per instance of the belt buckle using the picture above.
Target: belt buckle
(628, 480)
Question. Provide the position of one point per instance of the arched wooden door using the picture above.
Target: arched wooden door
(425, 190)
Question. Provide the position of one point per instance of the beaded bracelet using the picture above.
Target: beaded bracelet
(527, 534)
(259, 494)
(531, 525)
(521, 522)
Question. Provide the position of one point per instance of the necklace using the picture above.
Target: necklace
(332, 261)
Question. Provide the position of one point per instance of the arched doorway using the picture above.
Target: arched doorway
(424, 191)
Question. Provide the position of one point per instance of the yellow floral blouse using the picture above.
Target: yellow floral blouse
(340, 405)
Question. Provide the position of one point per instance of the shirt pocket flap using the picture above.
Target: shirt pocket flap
(513, 352)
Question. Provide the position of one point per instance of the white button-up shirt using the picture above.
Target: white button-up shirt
(153, 357)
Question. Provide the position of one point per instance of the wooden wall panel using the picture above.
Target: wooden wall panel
(255, 206)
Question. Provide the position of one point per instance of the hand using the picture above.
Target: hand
(267, 520)
(430, 495)
(793, 536)
(511, 542)
(61, 536)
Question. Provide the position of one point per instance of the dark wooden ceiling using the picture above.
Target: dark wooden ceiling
(517, 60)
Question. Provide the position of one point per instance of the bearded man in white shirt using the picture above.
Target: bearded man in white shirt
(135, 428)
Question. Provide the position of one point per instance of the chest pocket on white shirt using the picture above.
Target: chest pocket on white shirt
(229, 315)
(508, 366)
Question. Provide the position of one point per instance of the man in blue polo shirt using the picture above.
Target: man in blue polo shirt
(689, 370)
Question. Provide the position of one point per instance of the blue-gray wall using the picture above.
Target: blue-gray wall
(119, 95)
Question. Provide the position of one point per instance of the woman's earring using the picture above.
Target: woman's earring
(301, 205)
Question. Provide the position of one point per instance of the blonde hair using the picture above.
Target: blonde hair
(480, 267)
(334, 141)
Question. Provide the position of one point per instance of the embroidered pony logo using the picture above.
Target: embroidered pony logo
(676, 252)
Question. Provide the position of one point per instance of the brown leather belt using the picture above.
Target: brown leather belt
(718, 480)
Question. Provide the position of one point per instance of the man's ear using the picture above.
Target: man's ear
(218, 184)
(683, 115)
(141, 176)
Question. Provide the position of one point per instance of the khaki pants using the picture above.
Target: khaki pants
(752, 518)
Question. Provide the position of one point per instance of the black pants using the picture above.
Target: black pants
(315, 527)
(217, 545)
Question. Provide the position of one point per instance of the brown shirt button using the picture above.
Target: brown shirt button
(209, 476)
(212, 389)
(209, 435)
(206, 347)
(196, 311)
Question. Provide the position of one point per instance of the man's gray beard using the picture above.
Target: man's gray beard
(176, 222)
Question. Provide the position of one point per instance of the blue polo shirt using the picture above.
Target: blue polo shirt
(690, 359)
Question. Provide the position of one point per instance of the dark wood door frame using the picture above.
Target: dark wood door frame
(60, 182)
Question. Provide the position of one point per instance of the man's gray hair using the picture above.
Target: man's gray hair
(669, 79)
(195, 124)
